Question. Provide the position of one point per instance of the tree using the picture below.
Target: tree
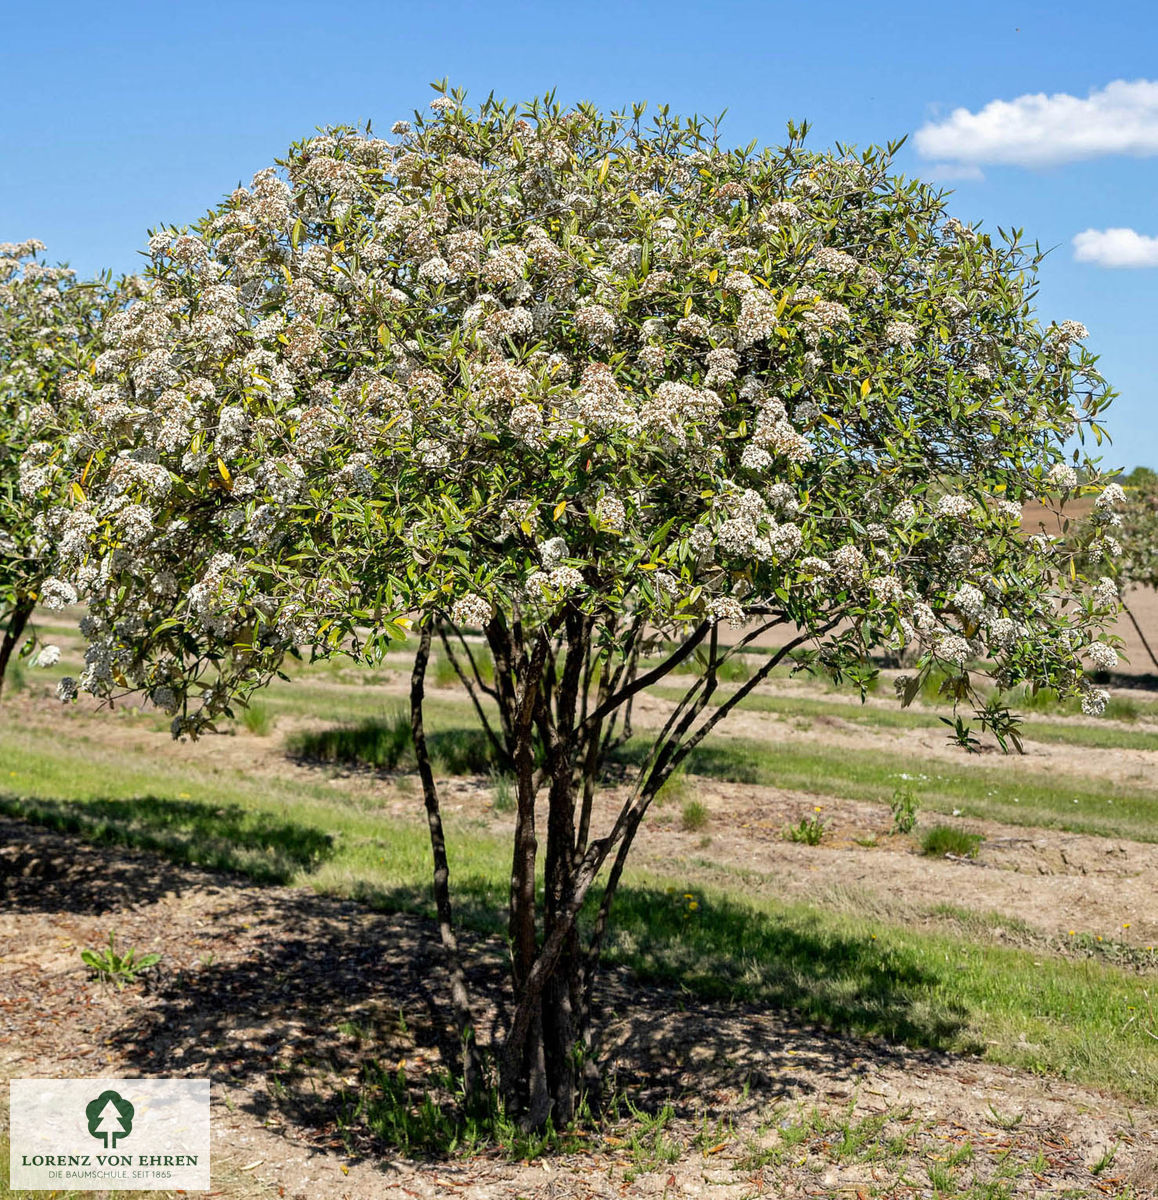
(47, 323)
(1130, 536)
(599, 391)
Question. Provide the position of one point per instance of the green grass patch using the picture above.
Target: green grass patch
(948, 839)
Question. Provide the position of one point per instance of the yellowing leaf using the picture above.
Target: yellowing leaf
(560, 508)
(604, 167)
(403, 622)
(865, 388)
(384, 335)
(713, 275)
(688, 306)
(77, 493)
(223, 471)
(649, 566)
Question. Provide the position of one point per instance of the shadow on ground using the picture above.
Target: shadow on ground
(226, 837)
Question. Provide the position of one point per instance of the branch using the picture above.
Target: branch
(649, 677)
(502, 752)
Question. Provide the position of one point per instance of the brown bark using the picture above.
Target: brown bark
(17, 623)
(460, 995)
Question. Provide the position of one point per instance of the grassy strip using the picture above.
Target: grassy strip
(1075, 803)
(1074, 733)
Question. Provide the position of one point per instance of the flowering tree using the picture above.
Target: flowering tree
(600, 392)
(47, 324)
(1130, 536)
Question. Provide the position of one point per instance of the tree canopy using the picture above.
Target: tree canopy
(48, 322)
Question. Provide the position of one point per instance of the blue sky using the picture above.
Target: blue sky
(124, 115)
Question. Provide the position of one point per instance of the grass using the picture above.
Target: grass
(694, 816)
(503, 794)
(1081, 804)
(257, 719)
(948, 839)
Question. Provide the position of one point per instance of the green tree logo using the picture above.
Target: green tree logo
(110, 1116)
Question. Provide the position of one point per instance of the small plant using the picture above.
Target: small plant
(502, 793)
(257, 718)
(904, 807)
(694, 816)
(944, 839)
(109, 966)
(810, 831)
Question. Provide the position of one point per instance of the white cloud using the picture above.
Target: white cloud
(1116, 248)
(950, 172)
(1040, 130)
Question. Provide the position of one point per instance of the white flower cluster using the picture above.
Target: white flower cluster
(471, 611)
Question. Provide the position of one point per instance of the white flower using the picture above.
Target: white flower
(48, 657)
(609, 511)
(552, 552)
(1063, 477)
(954, 506)
(969, 600)
(887, 589)
(1094, 701)
(1112, 495)
(56, 593)
(1104, 657)
(1105, 592)
(848, 563)
(901, 333)
(66, 689)
(953, 648)
(471, 610)
(725, 608)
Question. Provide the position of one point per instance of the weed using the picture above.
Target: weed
(904, 807)
(110, 966)
(1106, 1160)
(694, 816)
(945, 839)
(810, 831)
(677, 789)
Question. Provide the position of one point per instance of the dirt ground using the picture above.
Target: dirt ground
(256, 981)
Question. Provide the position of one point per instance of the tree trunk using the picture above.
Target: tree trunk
(460, 996)
(17, 623)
